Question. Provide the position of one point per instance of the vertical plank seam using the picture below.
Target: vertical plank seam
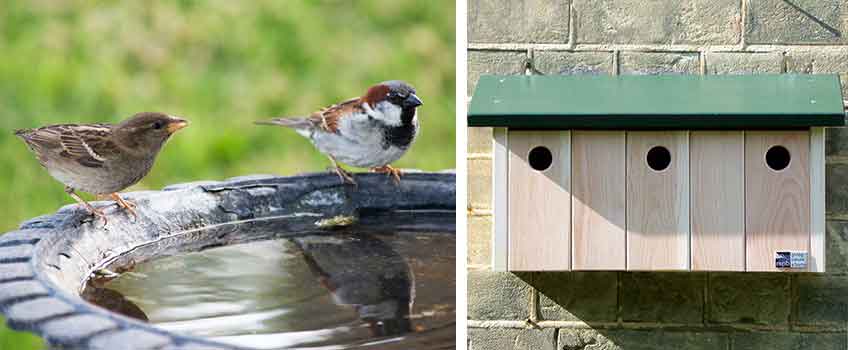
(688, 201)
(497, 205)
(691, 205)
(571, 205)
(744, 201)
(685, 201)
(624, 178)
(569, 171)
(813, 169)
(626, 206)
(822, 220)
(624, 154)
(506, 208)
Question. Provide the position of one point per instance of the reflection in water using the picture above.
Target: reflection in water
(392, 291)
(113, 301)
(365, 273)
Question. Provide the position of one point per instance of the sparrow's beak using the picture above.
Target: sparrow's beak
(176, 124)
(412, 101)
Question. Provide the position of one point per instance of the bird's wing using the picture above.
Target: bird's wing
(327, 119)
(87, 144)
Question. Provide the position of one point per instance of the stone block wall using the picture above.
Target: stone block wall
(638, 310)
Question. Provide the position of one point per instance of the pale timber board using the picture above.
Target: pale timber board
(817, 200)
(777, 203)
(598, 202)
(539, 203)
(657, 203)
(500, 211)
(717, 198)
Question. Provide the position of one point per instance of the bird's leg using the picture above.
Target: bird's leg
(389, 170)
(343, 174)
(124, 204)
(94, 211)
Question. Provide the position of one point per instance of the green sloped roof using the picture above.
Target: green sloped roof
(657, 102)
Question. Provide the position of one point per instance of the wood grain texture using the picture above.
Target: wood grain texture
(817, 200)
(657, 203)
(717, 210)
(500, 172)
(777, 203)
(598, 203)
(539, 203)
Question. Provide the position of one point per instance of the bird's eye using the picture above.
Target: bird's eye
(158, 125)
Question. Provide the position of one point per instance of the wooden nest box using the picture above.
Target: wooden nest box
(692, 173)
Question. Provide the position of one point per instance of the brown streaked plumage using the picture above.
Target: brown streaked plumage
(99, 158)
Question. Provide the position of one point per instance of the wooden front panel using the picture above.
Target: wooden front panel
(657, 203)
(777, 203)
(539, 203)
(717, 208)
(598, 204)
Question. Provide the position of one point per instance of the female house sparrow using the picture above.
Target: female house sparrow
(371, 131)
(101, 158)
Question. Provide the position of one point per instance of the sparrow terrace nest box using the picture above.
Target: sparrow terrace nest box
(706, 173)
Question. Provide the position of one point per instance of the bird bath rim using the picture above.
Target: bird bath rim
(45, 263)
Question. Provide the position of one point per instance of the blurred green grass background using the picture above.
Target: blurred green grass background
(221, 64)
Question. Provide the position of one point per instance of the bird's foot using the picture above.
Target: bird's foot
(344, 175)
(96, 213)
(389, 170)
(125, 204)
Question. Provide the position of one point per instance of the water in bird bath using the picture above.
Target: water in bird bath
(381, 290)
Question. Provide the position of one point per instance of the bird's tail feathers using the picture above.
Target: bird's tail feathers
(289, 122)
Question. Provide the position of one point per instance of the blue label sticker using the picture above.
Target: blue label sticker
(790, 260)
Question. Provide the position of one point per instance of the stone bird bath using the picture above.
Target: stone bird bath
(44, 265)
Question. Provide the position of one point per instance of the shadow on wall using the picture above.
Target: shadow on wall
(830, 29)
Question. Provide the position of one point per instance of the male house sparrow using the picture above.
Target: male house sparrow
(371, 131)
(101, 158)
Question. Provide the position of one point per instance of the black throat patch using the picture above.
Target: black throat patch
(401, 136)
